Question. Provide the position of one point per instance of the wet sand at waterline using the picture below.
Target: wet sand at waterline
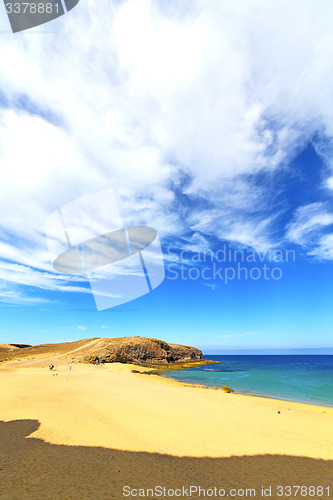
(88, 431)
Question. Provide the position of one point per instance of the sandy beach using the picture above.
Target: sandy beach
(88, 431)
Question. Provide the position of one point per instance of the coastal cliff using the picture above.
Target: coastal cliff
(142, 350)
(137, 350)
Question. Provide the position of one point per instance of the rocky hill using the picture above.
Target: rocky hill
(137, 350)
(142, 350)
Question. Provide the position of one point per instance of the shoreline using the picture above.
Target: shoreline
(160, 370)
(314, 398)
(253, 394)
(281, 398)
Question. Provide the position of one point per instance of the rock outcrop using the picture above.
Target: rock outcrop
(141, 350)
(227, 389)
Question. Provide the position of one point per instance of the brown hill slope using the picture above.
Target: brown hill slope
(138, 350)
(10, 348)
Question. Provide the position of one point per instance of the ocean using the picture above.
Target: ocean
(303, 378)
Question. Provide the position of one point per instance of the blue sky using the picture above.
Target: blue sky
(212, 123)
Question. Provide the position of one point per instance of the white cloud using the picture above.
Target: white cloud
(309, 220)
(10, 294)
(27, 276)
(151, 98)
(211, 286)
(324, 248)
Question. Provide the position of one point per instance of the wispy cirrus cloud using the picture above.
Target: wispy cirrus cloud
(11, 294)
(309, 228)
(28, 276)
(324, 248)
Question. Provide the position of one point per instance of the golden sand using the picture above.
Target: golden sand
(89, 422)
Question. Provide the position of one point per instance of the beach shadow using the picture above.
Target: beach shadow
(35, 470)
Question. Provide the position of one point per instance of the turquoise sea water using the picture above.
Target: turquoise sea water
(306, 378)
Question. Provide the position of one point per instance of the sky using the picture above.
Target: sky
(212, 122)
